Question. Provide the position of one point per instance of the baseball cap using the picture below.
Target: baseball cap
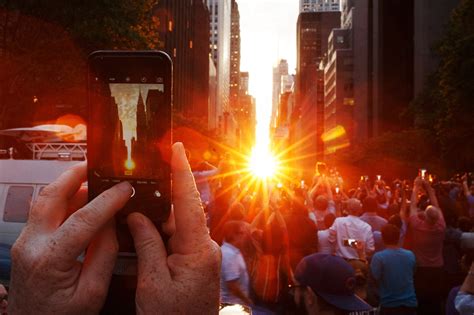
(331, 278)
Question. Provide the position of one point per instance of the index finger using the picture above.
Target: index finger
(51, 207)
(190, 221)
(82, 226)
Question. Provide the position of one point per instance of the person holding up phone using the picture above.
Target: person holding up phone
(48, 278)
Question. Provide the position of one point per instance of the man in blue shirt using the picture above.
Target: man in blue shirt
(235, 285)
(393, 270)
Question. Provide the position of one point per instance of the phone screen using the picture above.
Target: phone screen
(135, 133)
(129, 133)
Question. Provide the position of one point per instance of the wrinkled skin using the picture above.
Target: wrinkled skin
(187, 280)
(47, 278)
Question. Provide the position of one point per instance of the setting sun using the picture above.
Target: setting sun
(129, 164)
(262, 163)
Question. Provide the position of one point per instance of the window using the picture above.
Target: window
(18, 203)
(340, 39)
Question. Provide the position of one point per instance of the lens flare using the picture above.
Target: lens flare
(262, 163)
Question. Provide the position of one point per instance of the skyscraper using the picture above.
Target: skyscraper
(280, 70)
(234, 56)
(220, 38)
(319, 5)
(313, 29)
(184, 35)
(338, 92)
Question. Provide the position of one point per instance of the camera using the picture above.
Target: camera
(350, 242)
(422, 173)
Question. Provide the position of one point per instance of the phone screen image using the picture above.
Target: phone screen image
(136, 133)
(130, 134)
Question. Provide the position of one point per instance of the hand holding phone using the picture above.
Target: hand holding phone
(188, 269)
(129, 132)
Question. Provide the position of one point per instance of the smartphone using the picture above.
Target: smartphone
(422, 173)
(366, 178)
(129, 132)
(302, 184)
(337, 190)
(379, 177)
(350, 242)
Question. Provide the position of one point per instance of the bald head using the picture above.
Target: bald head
(353, 206)
(432, 214)
(320, 203)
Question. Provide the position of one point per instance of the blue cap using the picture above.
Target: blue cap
(333, 279)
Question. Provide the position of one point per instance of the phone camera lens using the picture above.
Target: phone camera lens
(143, 79)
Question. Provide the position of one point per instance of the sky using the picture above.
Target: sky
(268, 33)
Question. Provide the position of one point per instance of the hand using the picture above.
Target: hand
(47, 277)
(186, 280)
(3, 300)
(418, 182)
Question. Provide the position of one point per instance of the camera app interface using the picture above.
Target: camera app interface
(133, 134)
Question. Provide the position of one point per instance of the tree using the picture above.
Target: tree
(446, 106)
(44, 47)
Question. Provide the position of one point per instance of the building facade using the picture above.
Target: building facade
(338, 92)
(278, 72)
(383, 59)
(313, 29)
(319, 5)
(234, 56)
(219, 43)
(393, 64)
(184, 36)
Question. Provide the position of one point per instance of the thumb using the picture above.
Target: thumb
(151, 252)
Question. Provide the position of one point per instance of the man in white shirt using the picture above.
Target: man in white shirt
(349, 228)
(234, 276)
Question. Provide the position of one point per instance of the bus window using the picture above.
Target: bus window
(18, 203)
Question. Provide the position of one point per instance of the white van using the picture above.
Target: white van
(21, 181)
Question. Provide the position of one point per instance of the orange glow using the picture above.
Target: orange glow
(70, 120)
(334, 148)
(129, 164)
(334, 133)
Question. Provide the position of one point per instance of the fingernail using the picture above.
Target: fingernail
(125, 187)
(181, 156)
(179, 146)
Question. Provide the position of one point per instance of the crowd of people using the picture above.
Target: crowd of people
(403, 247)
(398, 247)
